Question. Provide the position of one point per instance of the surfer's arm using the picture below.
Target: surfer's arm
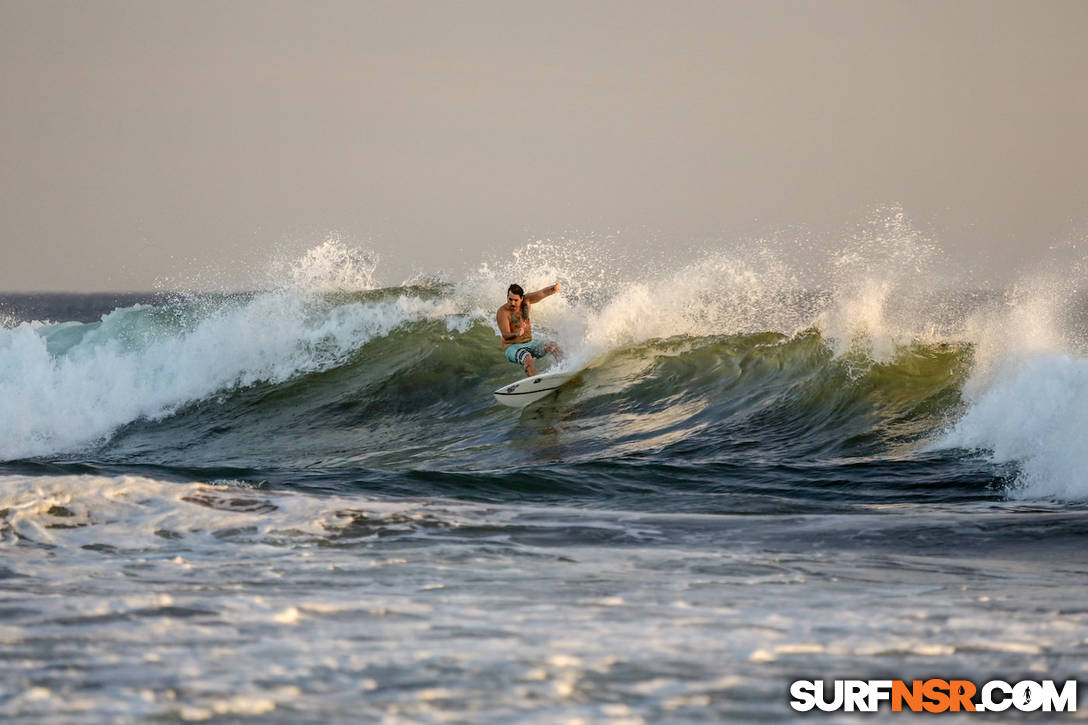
(542, 293)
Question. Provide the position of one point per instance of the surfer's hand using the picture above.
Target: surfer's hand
(558, 286)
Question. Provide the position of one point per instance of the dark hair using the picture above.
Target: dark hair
(516, 289)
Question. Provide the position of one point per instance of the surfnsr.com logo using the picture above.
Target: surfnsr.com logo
(933, 695)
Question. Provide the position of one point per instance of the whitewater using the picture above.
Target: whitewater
(299, 503)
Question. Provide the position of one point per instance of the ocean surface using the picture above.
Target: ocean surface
(300, 504)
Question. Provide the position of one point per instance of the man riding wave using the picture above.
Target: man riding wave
(517, 330)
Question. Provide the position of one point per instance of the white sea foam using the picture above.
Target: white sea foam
(204, 600)
(54, 403)
(134, 511)
(63, 387)
(1035, 414)
(1028, 393)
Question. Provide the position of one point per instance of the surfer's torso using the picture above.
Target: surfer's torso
(516, 320)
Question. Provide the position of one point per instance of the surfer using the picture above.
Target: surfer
(517, 330)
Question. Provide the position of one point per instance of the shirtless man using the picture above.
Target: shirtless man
(517, 330)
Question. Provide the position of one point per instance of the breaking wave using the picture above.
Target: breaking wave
(732, 357)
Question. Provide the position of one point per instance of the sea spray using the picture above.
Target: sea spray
(882, 287)
(333, 266)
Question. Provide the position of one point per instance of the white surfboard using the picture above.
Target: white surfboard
(530, 390)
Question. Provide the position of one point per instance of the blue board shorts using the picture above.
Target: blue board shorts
(516, 353)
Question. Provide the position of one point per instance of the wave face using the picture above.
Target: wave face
(759, 394)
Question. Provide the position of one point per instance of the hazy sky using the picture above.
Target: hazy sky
(146, 140)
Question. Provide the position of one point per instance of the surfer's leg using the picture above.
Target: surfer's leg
(530, 365)
(551, 348)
